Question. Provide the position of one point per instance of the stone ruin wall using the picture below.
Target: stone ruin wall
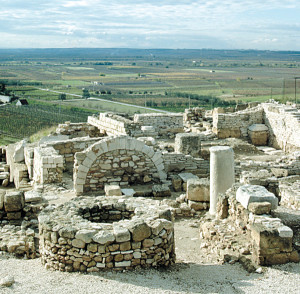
(283, 123)
(107, 159)
(178, 162)
(284, 126)
(68, 148)
(48, 165)
(95, 234)
(75, 130)
(164, 124)
(161, 124)
(235, 125)
(270, 241)
(113, 125)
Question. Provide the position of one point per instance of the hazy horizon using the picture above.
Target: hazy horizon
(229, 24)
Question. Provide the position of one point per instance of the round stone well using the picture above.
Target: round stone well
(90, 234)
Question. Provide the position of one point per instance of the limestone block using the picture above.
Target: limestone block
(19, 151)
(198, 190)
(140, 231)
(161, 191)
(258, 134)
(122, 234)
(188, 143)
(128, 192)
(259, 207)
(85, 235)
(280, 172)
(14, 201)
(33, 196)
(103, 237)
(112, 190)
(253, 193)
(123, 263)
(285, 232)
(186, 176)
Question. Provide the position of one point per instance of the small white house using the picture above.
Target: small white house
(5, 99)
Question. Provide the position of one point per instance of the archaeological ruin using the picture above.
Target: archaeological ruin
(106, 194)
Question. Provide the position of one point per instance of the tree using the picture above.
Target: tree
(85, 93)
(62, 96)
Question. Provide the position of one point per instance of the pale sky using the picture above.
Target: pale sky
(175, 24)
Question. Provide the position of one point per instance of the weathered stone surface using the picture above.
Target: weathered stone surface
(198, 190)
(280, 172)
(19, 151)
(188, 143)
(85, 235)
(259, 207)
(128, 192)
(104, 237)
(122, 234)
(112, 190)
(33, 196)
(253, 193)
(14, 201)
(161, 191)
(140, 231)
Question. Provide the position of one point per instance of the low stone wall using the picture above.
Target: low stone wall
(94, 234)
(178, 162)
(289, 192)
(48, 165)
(116, 160)
(290, 164)
(112, 124)
(192, 116)
(74, 130)
(235, 125)
(270, 239)
(164, 124)
(284, 126)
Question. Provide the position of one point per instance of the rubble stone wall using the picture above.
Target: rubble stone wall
(102, 233)
(112, 124)
(235, 125)
(178, 162)
(163, 123)
(270, 239)
(74, 130)
(284, 126)
(291, 165)
(118, 160)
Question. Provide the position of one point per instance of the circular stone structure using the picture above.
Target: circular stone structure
(91, 234)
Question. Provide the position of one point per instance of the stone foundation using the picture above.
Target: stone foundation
(93, 234)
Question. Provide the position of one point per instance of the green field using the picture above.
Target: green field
(169, 80)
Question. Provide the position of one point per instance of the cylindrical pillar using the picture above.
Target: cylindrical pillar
(221, 173)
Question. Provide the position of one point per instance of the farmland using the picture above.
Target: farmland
(170, 80)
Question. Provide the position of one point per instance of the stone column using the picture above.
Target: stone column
(221, 173)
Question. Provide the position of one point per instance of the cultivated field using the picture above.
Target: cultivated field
(170, 80)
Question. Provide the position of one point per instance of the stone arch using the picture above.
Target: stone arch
(86, 177)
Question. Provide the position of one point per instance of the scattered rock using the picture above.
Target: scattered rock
(7, 281)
